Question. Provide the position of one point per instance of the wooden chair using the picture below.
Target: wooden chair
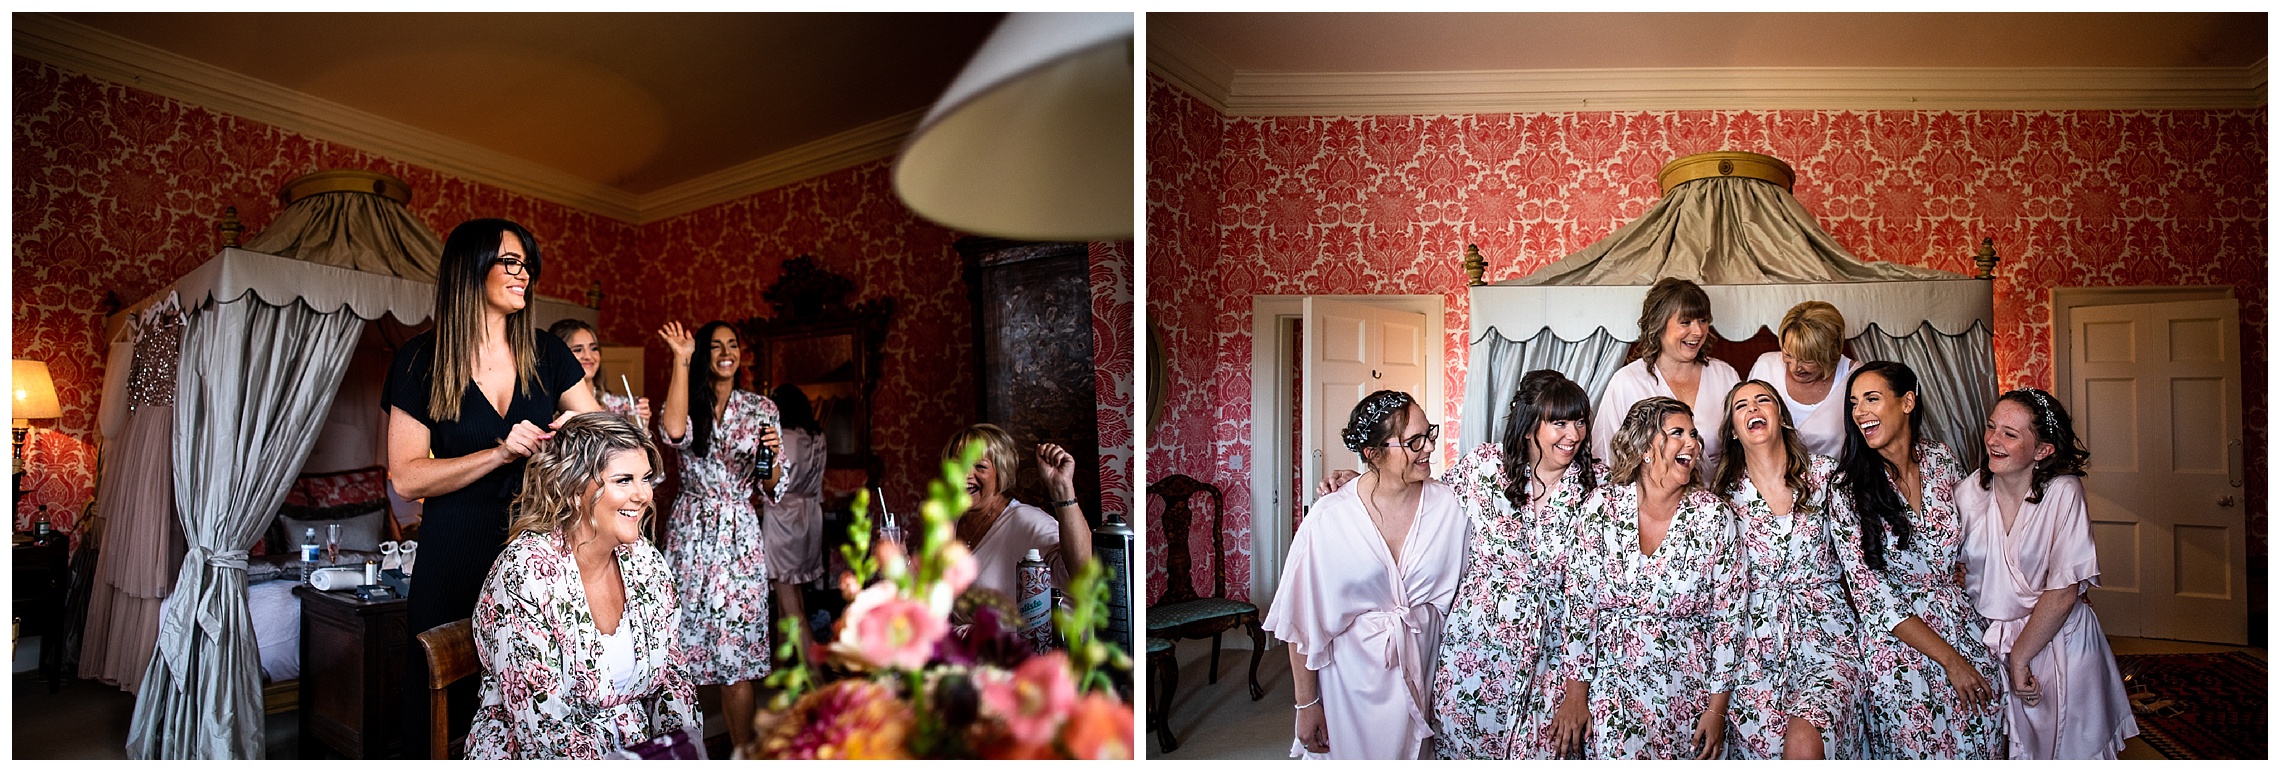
(450, 649)
(1163, 681)
(1181, 614)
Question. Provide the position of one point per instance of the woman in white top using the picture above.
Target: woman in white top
(1805, 373)
(1670, 359)
(999, 529)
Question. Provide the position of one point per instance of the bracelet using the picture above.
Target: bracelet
(1064, 503)
(1317, 701)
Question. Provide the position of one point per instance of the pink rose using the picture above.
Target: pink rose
(889, 630)
(959, 568)
(1034, 699)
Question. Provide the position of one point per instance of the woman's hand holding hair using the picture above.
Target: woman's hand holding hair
(521, 442)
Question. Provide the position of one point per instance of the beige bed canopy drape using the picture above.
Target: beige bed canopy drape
(1728, 222)
(262, 349)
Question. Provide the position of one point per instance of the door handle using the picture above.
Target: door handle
(2227, 501)
(1375, 375)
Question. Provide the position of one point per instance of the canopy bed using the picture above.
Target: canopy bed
(1729, 222)
(228, 375)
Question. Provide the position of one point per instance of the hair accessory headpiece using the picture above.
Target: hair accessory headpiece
(1374, 410)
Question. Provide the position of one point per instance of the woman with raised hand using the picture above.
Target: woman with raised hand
(1653, 600)
(1499, 675)
(1806, 373)
(576, 625)
(1369, 577)
(1928, 694)
(586, 346)
(713, 541)
(1798, 694)
(2030, 559)
(468, 401)
(1670, 359)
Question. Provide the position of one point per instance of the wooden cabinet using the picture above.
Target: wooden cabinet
(352, 673)
(1033, 355)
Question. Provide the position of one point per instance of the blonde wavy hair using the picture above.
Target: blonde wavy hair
(998, 448)
(1818, 330)
(1628, 448)
(555, 481)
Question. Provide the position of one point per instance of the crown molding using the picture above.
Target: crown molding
(1255, 94)
(81, 49)
(1178, 59)
(89, 51)
(869, 142)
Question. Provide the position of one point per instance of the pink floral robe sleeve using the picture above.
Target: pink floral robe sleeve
(545, 692)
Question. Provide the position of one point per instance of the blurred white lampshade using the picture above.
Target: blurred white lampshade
(34, 391)
(1033, 140)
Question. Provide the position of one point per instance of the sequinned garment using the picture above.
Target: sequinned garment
(1910, 711)
(1499, 677)
(1800, 644)
(720, 568)
(546, 693)
(1654, 635)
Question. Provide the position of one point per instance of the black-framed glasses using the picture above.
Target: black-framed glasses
(1418, 443)
(512, 266)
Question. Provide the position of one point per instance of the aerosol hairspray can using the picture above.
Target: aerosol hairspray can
(1036, 602)
(1112, 546)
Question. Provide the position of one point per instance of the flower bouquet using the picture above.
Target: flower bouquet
(900, 680)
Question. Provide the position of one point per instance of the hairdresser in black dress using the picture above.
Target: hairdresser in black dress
(468, 402)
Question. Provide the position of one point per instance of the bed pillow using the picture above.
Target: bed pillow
(361, 525)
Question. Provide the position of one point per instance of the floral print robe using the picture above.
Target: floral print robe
(1800, 646)
(545, 692)
(720, 568)
(1500, 676)
(1910, 710)
(1654, 635)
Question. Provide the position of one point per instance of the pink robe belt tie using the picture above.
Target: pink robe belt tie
(1392, 635)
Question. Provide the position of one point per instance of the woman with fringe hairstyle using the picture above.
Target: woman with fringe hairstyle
(1928, 695)
(468, 402)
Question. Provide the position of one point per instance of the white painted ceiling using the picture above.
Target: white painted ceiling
(637, 102)
(1442, 42)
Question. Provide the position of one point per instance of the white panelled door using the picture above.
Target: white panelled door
(2156, 398)
(1353, 349)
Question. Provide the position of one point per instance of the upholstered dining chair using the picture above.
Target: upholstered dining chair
(1181, 614)
(450, 649)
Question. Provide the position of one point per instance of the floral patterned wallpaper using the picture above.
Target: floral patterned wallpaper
(1385, 205)
(1112, 370)
(118, 190)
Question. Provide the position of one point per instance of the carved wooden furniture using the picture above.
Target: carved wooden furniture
(1163, 682)
(352, 661)
(1034, 372)
(829, 349)
(1180, 614)
(450, 650)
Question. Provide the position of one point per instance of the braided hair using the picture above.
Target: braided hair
(2052, 425)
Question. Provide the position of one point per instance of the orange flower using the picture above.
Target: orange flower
(851, 719)
(1099, 728)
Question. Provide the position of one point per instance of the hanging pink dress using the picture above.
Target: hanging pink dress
(1371, 628)
(2084, 712)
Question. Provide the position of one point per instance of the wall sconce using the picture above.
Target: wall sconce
(34, 398)
(1033, 140)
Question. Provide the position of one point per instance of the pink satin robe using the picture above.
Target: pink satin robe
(1368, 627)
(2084, 712)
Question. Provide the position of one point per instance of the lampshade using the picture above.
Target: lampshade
(1034, 139)
(34, 390)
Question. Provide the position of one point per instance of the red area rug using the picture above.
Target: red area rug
(2199, 706)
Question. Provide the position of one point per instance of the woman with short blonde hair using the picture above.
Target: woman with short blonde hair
(999, 529)
(1805, 371)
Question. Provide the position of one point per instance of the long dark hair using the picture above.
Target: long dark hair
(1868, 477)
(1543, 395)
(1670, 297)
(468, 254)
(2052, 425)
(701, 387)
(1373, 421)
(1731, 463)
(793, 409)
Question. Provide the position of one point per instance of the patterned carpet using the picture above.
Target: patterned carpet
(2199, 706)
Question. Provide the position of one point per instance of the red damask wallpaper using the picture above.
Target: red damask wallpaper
(1371, 205)
(118, 190)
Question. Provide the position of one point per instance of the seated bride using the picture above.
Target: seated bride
(576, 622)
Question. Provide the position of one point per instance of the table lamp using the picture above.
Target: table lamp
(35, 398)
(1033, 140)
